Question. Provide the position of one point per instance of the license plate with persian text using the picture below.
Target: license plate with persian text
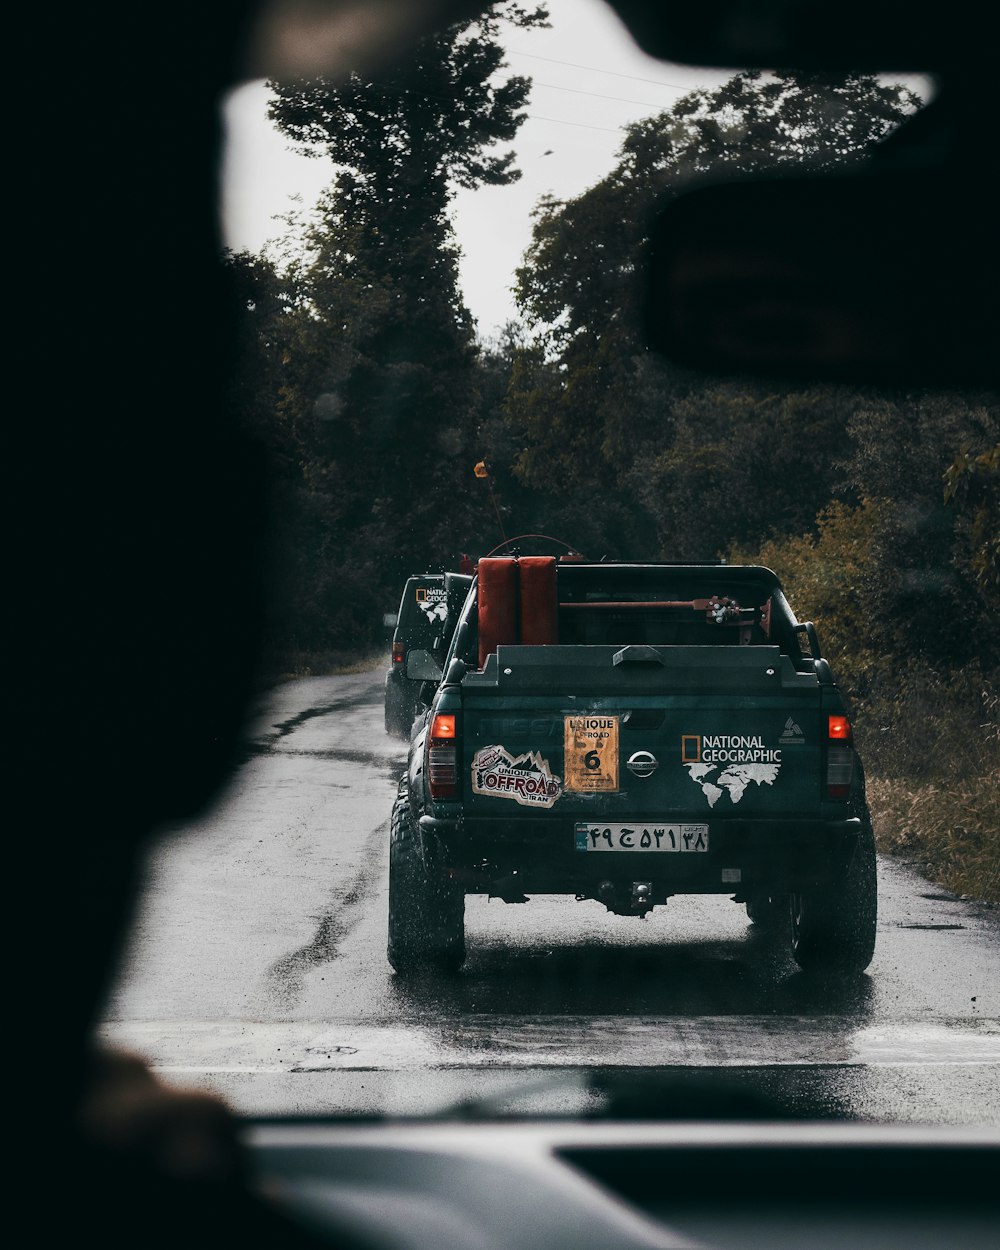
(641, 837)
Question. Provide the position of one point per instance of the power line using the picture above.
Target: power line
(595, 69)
(583, 125)
(597, 96)
(401, 92)
(617, 130)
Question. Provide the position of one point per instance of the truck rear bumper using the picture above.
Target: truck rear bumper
(744, 857)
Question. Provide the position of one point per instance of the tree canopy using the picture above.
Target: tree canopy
(585, 385)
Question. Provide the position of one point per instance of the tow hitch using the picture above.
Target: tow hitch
(635, 899)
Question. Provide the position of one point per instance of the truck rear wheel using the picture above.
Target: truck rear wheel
(833, 929)
(426, 909)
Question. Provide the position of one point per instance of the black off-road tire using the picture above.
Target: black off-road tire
(833, 929)
(426, 908)
(398, 716)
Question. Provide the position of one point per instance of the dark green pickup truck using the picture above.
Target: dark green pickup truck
(624, 733)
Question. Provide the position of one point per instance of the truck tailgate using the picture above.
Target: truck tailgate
(641, 733)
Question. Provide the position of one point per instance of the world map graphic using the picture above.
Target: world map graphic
(734, 779)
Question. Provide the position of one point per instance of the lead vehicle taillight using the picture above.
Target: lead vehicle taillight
(398, 653)
(442, 756)
(839, 757)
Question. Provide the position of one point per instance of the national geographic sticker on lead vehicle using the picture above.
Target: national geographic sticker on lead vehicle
(433, 601)
(591, 753)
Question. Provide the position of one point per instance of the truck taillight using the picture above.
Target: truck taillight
(442, 756)
(839, 758)
(398, 653)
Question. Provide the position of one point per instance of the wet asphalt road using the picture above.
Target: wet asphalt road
(257, 968)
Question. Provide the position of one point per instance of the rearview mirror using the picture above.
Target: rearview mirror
(865, 277)
(421, 666)
(852, 35)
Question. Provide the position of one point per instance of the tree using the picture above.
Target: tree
(579, 275)
(380, 374)
(593, 403)
(928, 458)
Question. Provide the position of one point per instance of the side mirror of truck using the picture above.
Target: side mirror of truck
(422, 666)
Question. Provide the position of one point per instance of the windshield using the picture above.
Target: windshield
(618, 855)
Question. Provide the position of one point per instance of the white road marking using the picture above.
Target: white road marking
(563, 1041)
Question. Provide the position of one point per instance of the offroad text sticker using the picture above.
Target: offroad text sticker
(527, 779)
(721, 764)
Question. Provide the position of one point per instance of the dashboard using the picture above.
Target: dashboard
(554, 1185)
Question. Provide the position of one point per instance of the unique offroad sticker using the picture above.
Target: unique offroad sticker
(527, 779)
(591, 753)
(721, 764)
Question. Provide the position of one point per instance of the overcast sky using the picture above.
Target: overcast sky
(589, 82)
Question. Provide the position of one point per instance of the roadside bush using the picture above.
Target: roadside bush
(824, 575)
(931, 746)
(948, 830)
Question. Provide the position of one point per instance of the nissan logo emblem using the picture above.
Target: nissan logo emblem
(643, 764)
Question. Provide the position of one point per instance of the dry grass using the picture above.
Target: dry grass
(949, 830)
(931, 745)
(329, 664)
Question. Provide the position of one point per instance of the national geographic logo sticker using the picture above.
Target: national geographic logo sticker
(727, 765)
(433, 601)
(727, 749)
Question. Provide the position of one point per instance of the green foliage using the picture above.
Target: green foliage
(743, 463)
(579, 275)
(972, 485)
(823, 573)
(894, 579)
(426, 123)
(699, 462)
(931, 551)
